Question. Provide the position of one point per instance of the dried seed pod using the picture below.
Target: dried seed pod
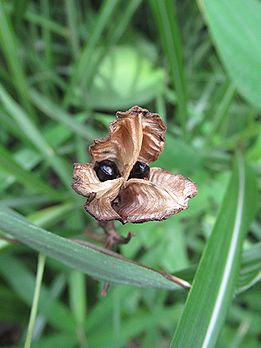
(119, 183)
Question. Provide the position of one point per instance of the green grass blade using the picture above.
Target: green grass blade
(33, 133)
(23, 285)
(19, 7)
(113, 36)
(87, 259)
(20, 201)
(9, 48)
(77, 296)
(102, 19)
(249, 272)
(236, 31)
(46, 35)
(7, 124)
(24, 122)
(57, 340)
(222, 112)
(167, 23)
(215, 280)
(49, 216)
(133, 327)
(77, 291)
(35, 184)
(43, 22)
(71, 13)
(38, 283)
(54, 111)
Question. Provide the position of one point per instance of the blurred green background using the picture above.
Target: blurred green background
(66, 67)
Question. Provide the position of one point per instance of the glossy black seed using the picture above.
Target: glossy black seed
(106, 170)
(140, 170)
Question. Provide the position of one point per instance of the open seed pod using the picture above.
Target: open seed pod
(119, 183)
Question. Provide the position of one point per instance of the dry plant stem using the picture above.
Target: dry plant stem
(94, 236)
(112, 238)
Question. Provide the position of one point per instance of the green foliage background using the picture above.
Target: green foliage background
(66, 67)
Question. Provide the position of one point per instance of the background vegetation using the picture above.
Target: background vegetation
(66, 68)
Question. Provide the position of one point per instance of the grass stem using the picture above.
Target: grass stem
(39, 277)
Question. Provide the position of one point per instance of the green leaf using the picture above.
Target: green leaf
(88, 259)
(35, 303)
(23, 281)
(104, 15)
(249, 274)
(235, 27)
(60, 340)
(132, 327)
(14, 62)
(53, 111)
(92, 55)
(71, 12)
(19, 8)
(10, 166)
(34, 134)
(215, 281)
(167, 22)
(43, 22)
(50, 215)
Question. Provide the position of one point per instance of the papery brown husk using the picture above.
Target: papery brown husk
(163, 195)
(136, 135)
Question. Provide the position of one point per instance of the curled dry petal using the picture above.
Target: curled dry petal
(100, 207)
(153, 133)
(85, 180)
(163, 195)
(122, 146)
(100, 194)
(136, 135)
(180, 186)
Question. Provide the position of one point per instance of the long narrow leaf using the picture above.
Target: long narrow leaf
(215, 280)
(249, 274)
(105, 14)
(23, 284)
(46, 23)
(53, 111)
(34, 134)
(166, 20)
(88, 259)
(113, 36)
(27, 178)
(9, 48)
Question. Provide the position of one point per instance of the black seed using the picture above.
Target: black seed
(140, 170)
(106, 170)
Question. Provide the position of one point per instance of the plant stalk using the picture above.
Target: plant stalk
(39, 277)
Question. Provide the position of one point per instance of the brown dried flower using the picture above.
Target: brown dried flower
(119, 183)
